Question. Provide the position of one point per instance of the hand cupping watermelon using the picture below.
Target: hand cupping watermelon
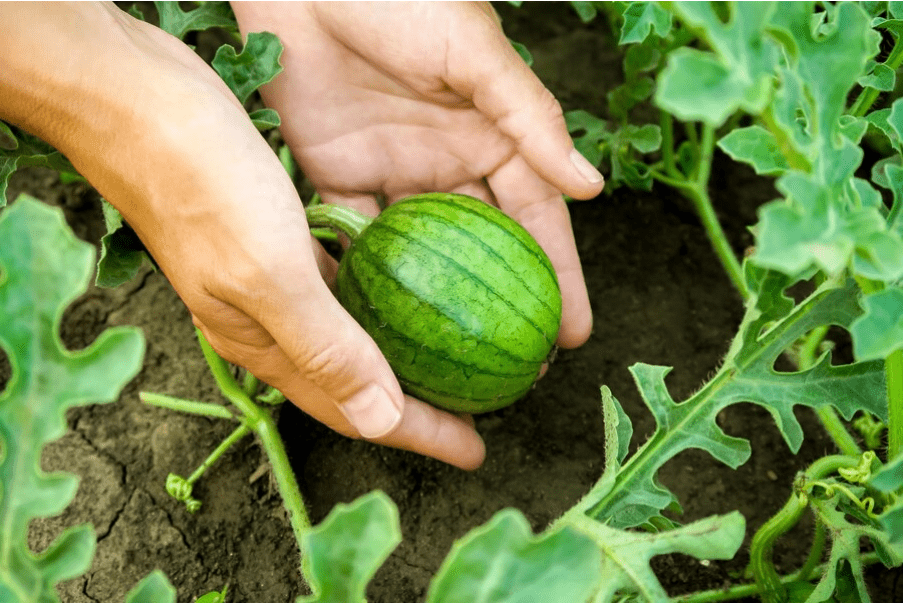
(460, 299)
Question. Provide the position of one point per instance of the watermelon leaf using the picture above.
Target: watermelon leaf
(175, 21)
(254, 66)
(343, 552)
(154, 588)
(44, 268)
(771, 325)
(502, 562)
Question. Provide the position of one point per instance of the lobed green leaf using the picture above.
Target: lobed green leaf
(890, 480)
(848, 527)
(122, 254)
(757, 147)
(879, 331)
(254, 66)
(44, 268)
(502, 562)
(22, 150)
(154, 588)
(737, 74)
(175, 21)
(772, 325)
(343, 552)
(643, 18)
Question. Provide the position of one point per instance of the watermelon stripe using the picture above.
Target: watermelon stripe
(465, 271)
(518, 276)
(386, 320)
(385, 324)
(422, 206)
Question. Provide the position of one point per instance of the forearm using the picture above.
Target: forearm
(130, 106)
(61, 64)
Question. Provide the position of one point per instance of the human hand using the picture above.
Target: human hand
(387, 100)
(163, 139)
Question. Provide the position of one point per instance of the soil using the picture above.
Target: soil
(659, 296)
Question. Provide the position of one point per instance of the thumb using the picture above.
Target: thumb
(504, 88)
(300, 340)
(339, 357)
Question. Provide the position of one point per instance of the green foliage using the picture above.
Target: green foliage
(19, 149)
(342, 553)
(175, 21)
(44, 268)
(214, 596)
(254, 66)
(154, 588)
(122, 253)
(849, 526)
(642, 19)
(889, 481)
(502, 562)
(772, 324)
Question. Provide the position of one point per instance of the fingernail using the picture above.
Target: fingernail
(372, 412)
(585, 168)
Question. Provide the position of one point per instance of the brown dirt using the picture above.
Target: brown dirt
(659, 297)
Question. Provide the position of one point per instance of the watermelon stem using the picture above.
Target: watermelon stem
(345, 220)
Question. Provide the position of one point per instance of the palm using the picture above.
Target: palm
(382, 101)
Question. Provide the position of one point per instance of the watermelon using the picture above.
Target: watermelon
(460, 299)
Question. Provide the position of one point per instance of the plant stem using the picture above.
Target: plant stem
(760, 550)
(838, 431)
(285, 478)
(893, 370)
(239, 432)
(750, 590)
(344, 219)
(868, 96)
(769, 583)
(815, 553)
(826, 414)
(667, 125)
(699, 195)
(250, 383)
(187, 406)
(696, 190)
(262, 423)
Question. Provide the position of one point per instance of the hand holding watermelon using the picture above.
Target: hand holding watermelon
(397, 100)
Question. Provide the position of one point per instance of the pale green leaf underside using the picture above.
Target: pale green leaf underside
(879, 331)
(44, 268)
(643, 18)
(154, 588)
(846, 546)
(502, 562)
(757, 147)
(626, 555)
(343, 552)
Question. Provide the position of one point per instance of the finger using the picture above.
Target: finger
(423, 429)
(327, 265)
(449, 438)
(488, 70)
(540, 209)
(366, 204)
(324, 344)
(479, 189)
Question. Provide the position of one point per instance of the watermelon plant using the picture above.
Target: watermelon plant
(801, 92)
